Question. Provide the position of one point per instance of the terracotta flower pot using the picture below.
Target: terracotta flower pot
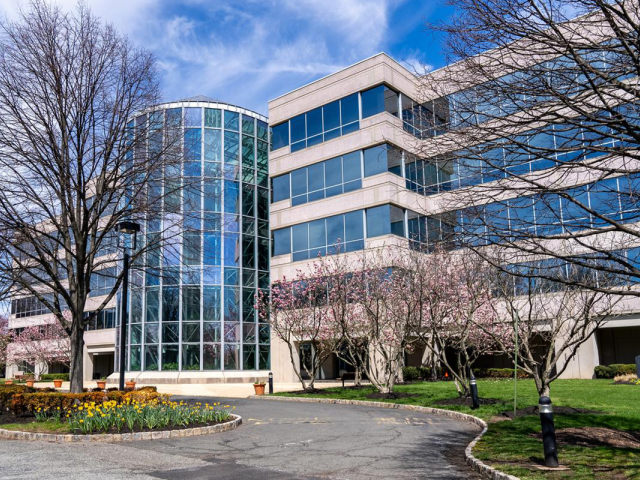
(259, 388)
(102, 384)
(57, 383)
(30, 383)
(8, 382)
(130, 385)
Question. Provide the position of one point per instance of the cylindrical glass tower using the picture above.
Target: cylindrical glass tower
(192, 309)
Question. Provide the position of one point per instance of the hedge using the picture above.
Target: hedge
(498, 373)
(23, 400)
(47, 377)
(612, 371)
(411, 374)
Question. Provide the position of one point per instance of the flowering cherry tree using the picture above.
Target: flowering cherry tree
(40, 346)
(454, 310)
(297, 312)
(5, 339)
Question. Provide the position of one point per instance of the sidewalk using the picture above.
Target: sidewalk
(230, 390)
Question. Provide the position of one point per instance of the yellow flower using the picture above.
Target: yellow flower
(81, 421)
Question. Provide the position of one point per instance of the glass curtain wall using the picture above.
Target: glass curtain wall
(192, 308)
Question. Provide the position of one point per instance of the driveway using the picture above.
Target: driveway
(277, 440)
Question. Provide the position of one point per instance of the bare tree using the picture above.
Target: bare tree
(552, 319)
(74, 163)
(536, 127)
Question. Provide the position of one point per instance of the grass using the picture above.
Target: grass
(509, 446)
(39, 427)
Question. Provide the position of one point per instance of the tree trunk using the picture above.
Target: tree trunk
(76, 373)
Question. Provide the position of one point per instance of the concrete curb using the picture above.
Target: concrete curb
(477, 465)
(123, 437)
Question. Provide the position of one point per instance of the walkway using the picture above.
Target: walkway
(278, 440)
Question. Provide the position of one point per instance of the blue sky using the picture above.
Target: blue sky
(247, 52)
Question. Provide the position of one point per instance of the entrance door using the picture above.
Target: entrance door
(102, 365)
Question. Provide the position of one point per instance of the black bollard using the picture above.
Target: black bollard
(270, 383)
(474, 393)
(548, 432)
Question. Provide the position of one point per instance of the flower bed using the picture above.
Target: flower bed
(135, 416)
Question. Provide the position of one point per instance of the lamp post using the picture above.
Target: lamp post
(127, 228)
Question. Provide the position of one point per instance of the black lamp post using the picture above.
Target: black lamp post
(127, 228)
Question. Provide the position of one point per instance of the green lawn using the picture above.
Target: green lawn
(39, 427)
(509, 446)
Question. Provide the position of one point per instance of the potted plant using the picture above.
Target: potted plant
(57, 383)
(130, 384)
(102, 383)
(8, 381)
(30, 380)
(259, 387)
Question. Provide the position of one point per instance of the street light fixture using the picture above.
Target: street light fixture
(127, 228)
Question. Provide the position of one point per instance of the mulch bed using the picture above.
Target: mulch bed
(467, 401)
(596, 437)
(7, 417)
(533, 410)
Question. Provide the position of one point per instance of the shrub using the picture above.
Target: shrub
(498, 373)
(614, 370)
(29, 401)
(48, 377)
(8, 391)
(410, 374)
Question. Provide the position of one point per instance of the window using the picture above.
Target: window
(379, 99)
(281, 241)
(280, 136)
(280, 188)
(378, 221)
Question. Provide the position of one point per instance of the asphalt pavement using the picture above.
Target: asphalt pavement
(277, 440)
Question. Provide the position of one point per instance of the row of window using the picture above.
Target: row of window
(613, 199)
(480, 103)
(207, 117)
(211, 303)
(209, 356)
(534, 151)
(104, 319)
(194, 332)
(335, 176)
(588, 268)
(339, 233)
(334, 119)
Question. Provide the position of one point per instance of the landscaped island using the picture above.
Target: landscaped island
(597, 424)
(102, 412)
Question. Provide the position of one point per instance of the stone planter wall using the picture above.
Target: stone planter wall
(122, 437)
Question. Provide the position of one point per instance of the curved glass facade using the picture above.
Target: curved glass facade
(192, 307)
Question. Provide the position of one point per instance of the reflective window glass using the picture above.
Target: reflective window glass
(280, 188)
(212, 118)
(281, 241)
(378, 221)
(231, 120)
(280, 136)
(349, 109)
(298, 129)
(193, 117)
(314, 122)
(331, 116)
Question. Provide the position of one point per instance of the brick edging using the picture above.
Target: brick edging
(473, 462)
(123, 437)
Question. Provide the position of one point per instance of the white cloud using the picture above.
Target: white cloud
(246, 51)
